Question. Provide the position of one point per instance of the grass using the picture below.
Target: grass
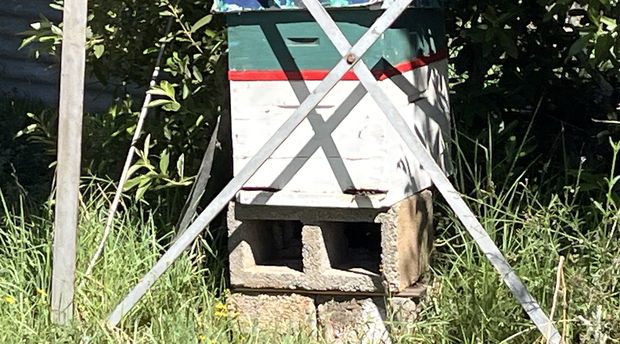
(466, 302)
(184, 307)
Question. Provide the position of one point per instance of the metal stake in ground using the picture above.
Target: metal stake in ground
(229, 191)
(452, 197)
(129, 159)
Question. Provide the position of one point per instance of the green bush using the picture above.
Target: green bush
(23, 158)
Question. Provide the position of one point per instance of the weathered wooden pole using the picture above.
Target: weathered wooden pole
(69, 152)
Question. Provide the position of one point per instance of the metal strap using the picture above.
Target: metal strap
(452, 197)
(229, 191)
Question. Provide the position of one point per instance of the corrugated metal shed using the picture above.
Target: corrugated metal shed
(20, 73)
(23, 76)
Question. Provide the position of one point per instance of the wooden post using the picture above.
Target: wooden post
(69, 152)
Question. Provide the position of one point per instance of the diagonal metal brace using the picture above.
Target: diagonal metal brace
(452, 197)
(229, 191)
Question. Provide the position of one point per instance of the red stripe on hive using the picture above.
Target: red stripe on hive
(380, 74)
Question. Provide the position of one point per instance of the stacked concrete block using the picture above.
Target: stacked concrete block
(337, 319)
(309, 268)
(403, 309)
(353, 321)
(406, 240)
(327, 249)
(282, 313)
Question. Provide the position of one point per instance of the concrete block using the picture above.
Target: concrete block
(406, 240)
(295, 249)
(353, 321)
(285, 313)
(402, 309)
(289, 255)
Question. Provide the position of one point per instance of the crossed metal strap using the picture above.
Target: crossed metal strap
(351, 58)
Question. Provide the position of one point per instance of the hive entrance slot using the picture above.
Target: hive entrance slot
(356, 247)
(303, 41)
(279, 244)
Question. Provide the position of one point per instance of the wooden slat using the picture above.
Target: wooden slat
(68, 170)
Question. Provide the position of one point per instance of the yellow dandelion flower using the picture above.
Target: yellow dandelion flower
(202, 337)
(220, 306)
(10, 300)
(220, 314)
(41, 291)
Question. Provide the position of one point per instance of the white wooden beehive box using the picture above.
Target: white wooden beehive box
(345, 154)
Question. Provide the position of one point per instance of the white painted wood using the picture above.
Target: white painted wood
(69, 152)
(355, 147)
(302, 199)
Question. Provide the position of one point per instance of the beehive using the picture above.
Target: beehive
(345, 154)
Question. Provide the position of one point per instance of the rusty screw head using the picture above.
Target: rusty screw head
(351, 58)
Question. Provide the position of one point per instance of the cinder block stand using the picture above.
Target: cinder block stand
(330, 269)
(338, 319)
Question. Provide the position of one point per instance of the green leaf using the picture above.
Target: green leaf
(133, 170)
(131, 183)
(28, 130)
(26, 41)
(197, 74)
(147, 146)
(142, 189)
(602, 48)
(593, 15)
(579, 45)
(164, 160)
(98, 49)
(157, 91)
(167, 133)
(159, 102)
(609, 22)
(56, 30)
(168, 88)
(201, 22)
(181, 165)
(507, 43)
(172, 106)
(150, 50)
(185, 91)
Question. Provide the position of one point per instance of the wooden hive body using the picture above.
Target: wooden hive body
(345, 154)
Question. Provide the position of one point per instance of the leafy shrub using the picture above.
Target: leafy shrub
(23, 159)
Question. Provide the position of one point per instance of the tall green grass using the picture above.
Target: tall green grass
(184, 306)
(180, 307)
(466, 301)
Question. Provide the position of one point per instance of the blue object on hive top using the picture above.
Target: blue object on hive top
(262, 5)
